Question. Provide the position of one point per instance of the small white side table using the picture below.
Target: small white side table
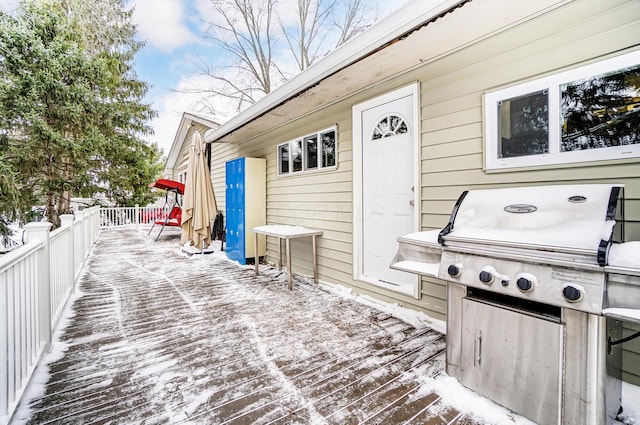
(287, 233)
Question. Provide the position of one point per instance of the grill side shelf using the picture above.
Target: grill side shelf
(418, 253)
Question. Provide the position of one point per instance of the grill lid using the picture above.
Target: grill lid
(563, 218)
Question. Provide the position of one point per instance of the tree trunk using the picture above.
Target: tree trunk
(64, 201)
(50, 213)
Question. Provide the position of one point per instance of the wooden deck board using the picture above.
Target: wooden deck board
(156, 336)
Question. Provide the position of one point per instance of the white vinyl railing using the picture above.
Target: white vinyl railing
(112, 217)
(36, 281)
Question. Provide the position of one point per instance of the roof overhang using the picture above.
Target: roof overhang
(418, 33)
(187, 120)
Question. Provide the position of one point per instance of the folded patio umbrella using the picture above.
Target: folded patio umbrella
(199, 203)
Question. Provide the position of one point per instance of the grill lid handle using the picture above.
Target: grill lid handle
(613, 202)
(603, 247)
(449, 227)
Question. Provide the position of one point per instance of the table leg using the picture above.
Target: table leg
(256, 259)
(288, 245)
(279, 254)
(315, 260)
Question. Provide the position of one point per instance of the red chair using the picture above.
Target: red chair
(173, 219)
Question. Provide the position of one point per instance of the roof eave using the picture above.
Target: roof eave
(394, 26)
(183, 128)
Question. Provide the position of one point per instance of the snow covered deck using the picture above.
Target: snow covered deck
(156, 336)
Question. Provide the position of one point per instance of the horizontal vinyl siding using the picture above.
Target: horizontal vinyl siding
(319, 199)
(631, 355)
(452, 139)
(220, 154)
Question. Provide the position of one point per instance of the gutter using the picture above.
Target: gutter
(397, 26)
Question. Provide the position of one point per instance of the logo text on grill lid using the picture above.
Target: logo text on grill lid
(520, 208)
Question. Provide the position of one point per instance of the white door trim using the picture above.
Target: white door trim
(357, 111)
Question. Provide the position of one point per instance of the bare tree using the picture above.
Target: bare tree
(245, 30)
(306, 37)
(251, 31)
(323, 25)
(351, 19)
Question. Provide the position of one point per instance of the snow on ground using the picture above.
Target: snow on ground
(166, 273)
(41, 376)
(631, 404)
(13, 240)
(457, 395)
(415, 318)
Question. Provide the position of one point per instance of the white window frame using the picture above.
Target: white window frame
(552, 84)
(278, 156)
(302, 140)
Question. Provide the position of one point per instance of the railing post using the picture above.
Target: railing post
(67, 220)
(137, 213)
(40, 230)
(87, 233)
(96, 222)
(78, 249)
(92, 224)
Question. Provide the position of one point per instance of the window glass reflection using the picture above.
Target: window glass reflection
(329, 149)
(602, 111)
(311, 152)
(283, 154)
(296, 156)
(524, 125)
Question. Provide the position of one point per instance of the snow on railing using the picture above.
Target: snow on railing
(36, 281)
(111, 217)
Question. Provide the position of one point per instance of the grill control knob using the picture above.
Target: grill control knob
(454, 270)
(572, 293)
(524, 284)
(486, 277)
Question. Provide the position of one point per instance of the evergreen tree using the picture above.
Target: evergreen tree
(129, 164)
(70, 107)
(8, 195)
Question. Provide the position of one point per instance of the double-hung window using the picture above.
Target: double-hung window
(313, 152)
(591, 113)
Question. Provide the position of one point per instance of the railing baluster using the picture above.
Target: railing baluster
(114, 217)
(35, 337)
(11, 332)
(35, 282)
(20, 328)
(4, 336)
(28, 311)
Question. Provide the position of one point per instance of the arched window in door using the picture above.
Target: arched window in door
(389, 125)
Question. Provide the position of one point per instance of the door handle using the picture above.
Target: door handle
(477, 349)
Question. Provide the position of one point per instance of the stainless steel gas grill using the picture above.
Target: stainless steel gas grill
(527, 303)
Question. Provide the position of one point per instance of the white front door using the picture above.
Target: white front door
(387, 138)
